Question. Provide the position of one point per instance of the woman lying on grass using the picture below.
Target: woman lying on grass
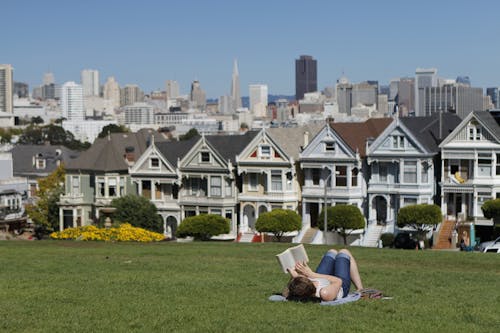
(331, 281)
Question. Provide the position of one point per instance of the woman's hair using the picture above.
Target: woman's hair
(301, 289)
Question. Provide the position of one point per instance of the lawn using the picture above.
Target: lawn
(64, 286)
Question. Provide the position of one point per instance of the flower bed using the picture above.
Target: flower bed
(124, 233)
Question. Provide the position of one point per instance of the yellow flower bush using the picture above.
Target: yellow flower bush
(124, 233)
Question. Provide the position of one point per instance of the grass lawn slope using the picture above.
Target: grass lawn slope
(67, 286)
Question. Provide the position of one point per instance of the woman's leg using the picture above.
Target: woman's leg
(354, 272)
(327, 263)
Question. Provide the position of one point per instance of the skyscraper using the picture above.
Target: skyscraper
(493, 92)
(6, 86)
(198, 96)
(90, 82)
(424, 78)
(21, 89)
(112, 91)
(72, 101)
(131, 94)
(306, 79)
(48, 78)
(235, 87)
(172, 88)
(258, 99)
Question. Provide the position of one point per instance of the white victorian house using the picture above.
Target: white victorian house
(471, 171)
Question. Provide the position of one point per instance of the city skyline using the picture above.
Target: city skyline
(147, 45)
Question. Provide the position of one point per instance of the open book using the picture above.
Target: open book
(290, 256)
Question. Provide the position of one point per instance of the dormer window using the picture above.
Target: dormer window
(474, 132)
(40, 163)
(205, 157)
(154, 162)
(330, 147)
(265, 151)
(398, 142)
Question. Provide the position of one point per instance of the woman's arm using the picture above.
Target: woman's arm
(328, 293)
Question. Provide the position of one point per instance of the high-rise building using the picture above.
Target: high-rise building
(226, 105)
(258, 99)
(424, 78)
(364, 93)
(72, 101)
(235, 87)
(131, 94)
(493, 92)
(48, 91)
(139, 113)
(405, 98)
(48, 78)
(344, 95)
(306, 78)
(198, 96)
(111, 91)
(457, 98)
(90, 82)
(172, 88)
(21, 90)
(6, 88)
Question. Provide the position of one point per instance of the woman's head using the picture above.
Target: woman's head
(301, 289)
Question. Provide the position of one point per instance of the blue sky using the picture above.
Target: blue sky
(147, 42)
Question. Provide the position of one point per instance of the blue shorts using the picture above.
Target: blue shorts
(338, 265)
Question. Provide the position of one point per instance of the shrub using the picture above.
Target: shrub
(138, 211)
(491, 210)
(344, 219)
(203, 227)
(278, 221)
(123, 233)
(387, 239)
(421, 217)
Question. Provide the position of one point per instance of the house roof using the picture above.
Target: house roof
(291, 139)
(173, 150)
(488, 121)
(108, 154)
(23, 163)
(230, 146)
(356, 134)
(426, 129)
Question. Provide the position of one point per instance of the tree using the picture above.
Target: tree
(112, 128)
(421, 217)
(45, 211)
(491, 210)
(138, 211)
(190, 134)
(343, 219)
(278, 221)
(37, 120)
(54, 134)
(203, 227)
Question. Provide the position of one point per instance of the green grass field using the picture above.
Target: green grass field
(59, 286)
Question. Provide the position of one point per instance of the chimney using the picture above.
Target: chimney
(306, 138)
(129, 154)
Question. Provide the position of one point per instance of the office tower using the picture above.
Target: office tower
(172, 88)
(465, 80)
(457, 98)
(393, 89)
(235, 87)
(48, 91)
(364, 93)
(258, 99)
(48, 78)
(382, 104)
(424, 78)
(405, 99)
(344, 95)
(198, 96)
(6, 85)
(131, 94)
(90, 82)
(493, 93)
(72, 101)
(21, 90)
(306, 79)
(139, 113)
(111, 91)
(226, 105)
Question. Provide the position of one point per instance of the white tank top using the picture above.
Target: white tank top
(322, 283)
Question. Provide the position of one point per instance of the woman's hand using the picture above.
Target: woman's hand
(292, 272)
(303, 269)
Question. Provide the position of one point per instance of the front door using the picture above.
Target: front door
(313, 213)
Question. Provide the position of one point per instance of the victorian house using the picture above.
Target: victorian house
(100, 175)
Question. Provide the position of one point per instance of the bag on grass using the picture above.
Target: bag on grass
(370, 293)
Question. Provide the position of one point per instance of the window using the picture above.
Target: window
(229, 215)
(228, 190)
(216, 186)
(112, 187)
(154, 162)
(316, 175)
(341, 175)
(330, 147)
(471, 134)
(40, 163)
(100, 187)
(398, 141)
(205, 157)
(409, 201)
(216, 211)
(253, 181)
(498, 164)
(354, 177)
(474, 133)
(189, 212)
(276, 182)
(482, 197)
(158, 191)
(382, 172)
(478, 133)
(265, 151)
(410, 172)
(289, 181)
(146, 189)
(484, 165)
(122, 186)
(75, 185)
(424, 173)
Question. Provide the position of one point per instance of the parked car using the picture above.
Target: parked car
(484, 245)
(494, 248)
(405, 240)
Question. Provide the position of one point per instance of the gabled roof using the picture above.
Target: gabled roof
(22, 158)
(426, 129)
(107, 154)
(489, 122)
(174, 150)
(291, 139)
(230, 146)
(356, 134)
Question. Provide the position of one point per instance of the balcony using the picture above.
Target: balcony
(269, 196)
(72, 199)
